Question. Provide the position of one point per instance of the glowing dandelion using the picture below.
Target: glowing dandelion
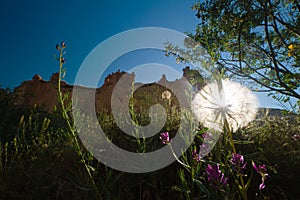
(166, 94)
(224, 100)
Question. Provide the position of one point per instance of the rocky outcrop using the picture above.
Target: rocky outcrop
(41, 93)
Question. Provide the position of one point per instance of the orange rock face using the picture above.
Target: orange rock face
(44, 93)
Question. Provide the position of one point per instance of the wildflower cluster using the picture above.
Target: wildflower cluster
(196, 156)
(262, 170)
(215, 176)
(238, 163)
(165, 138)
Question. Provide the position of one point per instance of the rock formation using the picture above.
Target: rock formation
(44, 93)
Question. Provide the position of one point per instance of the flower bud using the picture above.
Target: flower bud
(63, 60)
(57, 47)
(63, 44)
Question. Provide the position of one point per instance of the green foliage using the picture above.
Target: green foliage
(12, 116)
(34, 162)
(255, 41)
(39, 160)
(276, 142)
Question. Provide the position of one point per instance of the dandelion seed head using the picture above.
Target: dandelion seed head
(222, 100)
(166, 94)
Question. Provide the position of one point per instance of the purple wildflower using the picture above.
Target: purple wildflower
(196, 156)
(215, 176)
(238, 162)
(165, 138)
(213, 172)
(223, 180)
(205, 147)
(262, 186)
(207, 135)
(262, 170)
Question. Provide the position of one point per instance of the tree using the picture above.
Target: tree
(256, 40)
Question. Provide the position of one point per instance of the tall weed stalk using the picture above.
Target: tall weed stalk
(62, 100)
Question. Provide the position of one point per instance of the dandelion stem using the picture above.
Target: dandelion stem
(227, 129)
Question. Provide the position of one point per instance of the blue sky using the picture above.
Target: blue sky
(30, 29)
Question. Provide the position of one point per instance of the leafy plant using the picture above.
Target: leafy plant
(253, 41)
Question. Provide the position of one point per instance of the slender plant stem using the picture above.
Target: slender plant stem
(70, 126)
(228, 130)
(178, 160)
